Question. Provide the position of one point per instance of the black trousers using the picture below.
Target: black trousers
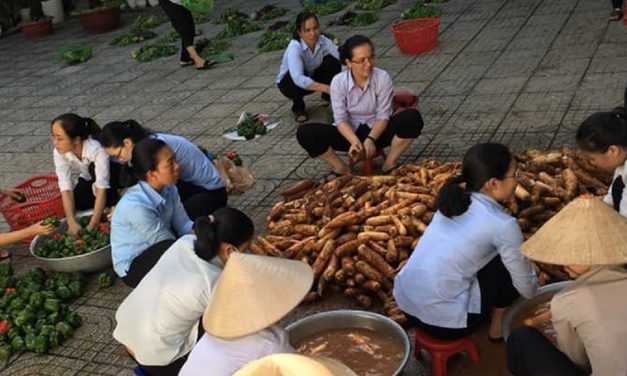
(143, 263)
(529, 353)
(316, 138)
(497, 291)
(84, 198)
(183, 22)
(617, 4)
(200, 202)
(323, 74)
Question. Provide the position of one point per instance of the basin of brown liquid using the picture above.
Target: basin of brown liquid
(366, 352)
(545, 328)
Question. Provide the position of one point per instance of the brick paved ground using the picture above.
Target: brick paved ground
(521, 72)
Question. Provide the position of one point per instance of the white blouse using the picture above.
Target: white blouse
(158, 321)
(68, 164)
(223, 357)
(622, 172)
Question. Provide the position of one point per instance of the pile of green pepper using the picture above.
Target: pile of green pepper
(251, 126)
(62, 245)
(34, 311)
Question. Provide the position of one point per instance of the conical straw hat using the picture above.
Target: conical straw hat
(585, 232)
(295, 365)
(255, 292)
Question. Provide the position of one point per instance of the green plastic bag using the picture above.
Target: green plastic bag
(75, 54)
(198, 6)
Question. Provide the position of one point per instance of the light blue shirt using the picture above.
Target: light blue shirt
(144, 217)
(439, 284)
(355, 105)
(195, 166)
(300, 62)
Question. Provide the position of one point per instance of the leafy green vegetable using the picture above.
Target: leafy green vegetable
(274, 40)
(329, 7)
(153, 51)
(363, 19)
(420, 10)
(216, 46)
(270, 12)
(148, 22)
(250, 126)
(373, 4)
(239, 26)
(52, 221)
(132, 37)
(230, 15)
(75, 54)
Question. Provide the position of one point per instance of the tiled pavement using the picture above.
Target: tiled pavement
(521, 72)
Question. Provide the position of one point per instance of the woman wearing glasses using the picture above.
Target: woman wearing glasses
(200, 186)
(361, 97)
(158, 322)
(467, 267)
(76, 150)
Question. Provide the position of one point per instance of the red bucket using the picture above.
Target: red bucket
(43, 199)
(417, 35)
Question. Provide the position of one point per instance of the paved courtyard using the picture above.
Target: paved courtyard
(521, 72)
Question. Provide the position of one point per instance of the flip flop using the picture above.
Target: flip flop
(301, 116)
(206, 65)
(5, 256)
(616, 14)
(186, 63)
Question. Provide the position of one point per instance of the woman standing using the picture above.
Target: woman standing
(158, 321)
(309, 63)
(361, 97)
(77, 151)
(603, 137)
(150, 216)
(183, 22)
(200, 186)
(467, 267)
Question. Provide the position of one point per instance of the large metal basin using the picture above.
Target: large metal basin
(88, 263)
(343, 319)
(543, 295)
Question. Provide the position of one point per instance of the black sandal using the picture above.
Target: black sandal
(301, 116)
(186, 63)
(5, 257)
(206, 65)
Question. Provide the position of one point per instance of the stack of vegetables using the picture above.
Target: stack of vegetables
(358, 232)
(63, 245)
(251, 125)
(34, 311)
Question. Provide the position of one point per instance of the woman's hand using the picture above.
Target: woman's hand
(93, 222)
(356, 150)
(370, 148)
(73, 227)
(40, 229)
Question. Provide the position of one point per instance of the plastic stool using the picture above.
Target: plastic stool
(441, 351)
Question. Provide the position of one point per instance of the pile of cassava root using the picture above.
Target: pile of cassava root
(357, 232)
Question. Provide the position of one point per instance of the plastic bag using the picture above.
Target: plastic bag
(237, 179)
(198, 6)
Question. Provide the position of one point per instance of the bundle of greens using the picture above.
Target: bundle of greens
(148, 22)
(270, 12)
(153, 51)
(34, 311)
(239, 26)
(353, 19)
(230, 15)
(373, 4)
(274, 40)
(420, 10)
(328, 7)
(132, 37)
(75, 54)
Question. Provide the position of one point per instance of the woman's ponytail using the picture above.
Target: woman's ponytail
(207, 244)
(77, 126)
(113, 134)
(453, 199)
(603, 129)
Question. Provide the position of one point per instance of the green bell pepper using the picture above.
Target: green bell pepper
(74, 319)
(64, 293)
(41, 344)
(105, 280)
(5, 352)
(52, 305)
(64, 329)
(53, 339)
(29, 341)
(18, 343)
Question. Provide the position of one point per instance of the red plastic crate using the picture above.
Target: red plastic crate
(43, 199)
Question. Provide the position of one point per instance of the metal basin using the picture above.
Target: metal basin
(87, 263)
(346, 319)
(543, 295)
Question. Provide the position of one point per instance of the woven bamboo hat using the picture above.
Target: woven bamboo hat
(255, 292)
(585, 232)
(295, 365)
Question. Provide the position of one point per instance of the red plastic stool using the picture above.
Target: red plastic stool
(441, 351)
